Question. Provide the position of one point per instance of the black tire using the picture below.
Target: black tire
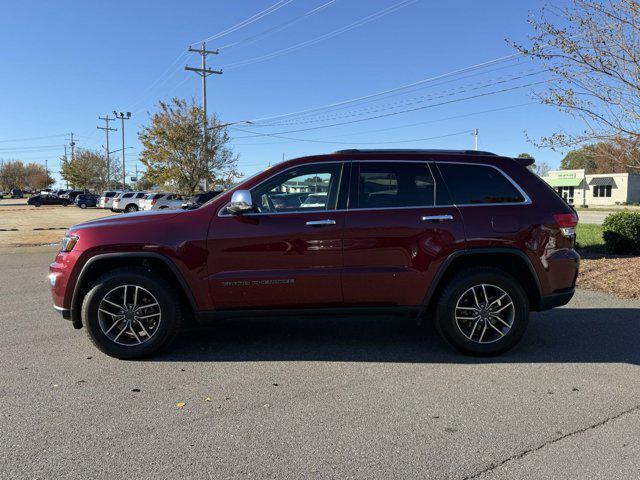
(83, 205)
(449, 328)
(64, 204)
(131, 208)
(167, 299)
(36, 204)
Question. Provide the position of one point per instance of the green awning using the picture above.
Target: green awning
(564, 182)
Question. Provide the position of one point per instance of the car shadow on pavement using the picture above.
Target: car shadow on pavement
(562, 335)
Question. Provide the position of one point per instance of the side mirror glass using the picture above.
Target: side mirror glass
(240, 202)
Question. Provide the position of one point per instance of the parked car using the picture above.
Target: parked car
(16, 193)
(127, 202)
(472, 240)
(106, 199)
(199, 199)
(85, 200)
(162, 201)
(46, 191)
(71, 194)
(38, 200)
(1, 195)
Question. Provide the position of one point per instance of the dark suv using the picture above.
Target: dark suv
(471, 239)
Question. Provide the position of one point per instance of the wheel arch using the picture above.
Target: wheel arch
(105, 262)
(510, 260)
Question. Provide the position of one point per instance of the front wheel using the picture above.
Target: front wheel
(129, 314)
(64, 204)
(131, 209)
(83, 205)
(37, 204)
(482, 311)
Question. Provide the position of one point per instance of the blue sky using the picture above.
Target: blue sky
(66, 63)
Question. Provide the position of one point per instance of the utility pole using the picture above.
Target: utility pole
(72, 144)
(107, 129)
(204, 72)
(475, 136)
(65, 159)
(122, 118)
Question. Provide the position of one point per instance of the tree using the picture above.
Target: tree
(592, 51)
(11, 174)
(36, 177)
(604, 157)
(174, 151)
(87, 170)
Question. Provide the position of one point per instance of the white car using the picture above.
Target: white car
(162, 201)
(128, 202)
(106, 199)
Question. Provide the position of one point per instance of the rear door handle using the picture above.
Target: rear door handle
(320, 223)
(437, 218)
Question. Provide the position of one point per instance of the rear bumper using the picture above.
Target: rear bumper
(556, 299)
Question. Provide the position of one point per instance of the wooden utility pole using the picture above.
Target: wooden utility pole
(204, 72)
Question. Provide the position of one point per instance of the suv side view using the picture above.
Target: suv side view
(472, 240)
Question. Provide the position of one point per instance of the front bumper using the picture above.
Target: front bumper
(556, 299)
(65, 312)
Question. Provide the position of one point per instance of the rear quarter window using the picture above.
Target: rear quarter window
(478, 184)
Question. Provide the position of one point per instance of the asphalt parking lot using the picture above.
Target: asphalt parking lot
(300, 398)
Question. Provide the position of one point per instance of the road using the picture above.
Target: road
(301, 398)
(596, 217)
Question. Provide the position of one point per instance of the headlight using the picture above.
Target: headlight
(68, 242)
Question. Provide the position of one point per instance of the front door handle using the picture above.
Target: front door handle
(437, 218)
(320, 223)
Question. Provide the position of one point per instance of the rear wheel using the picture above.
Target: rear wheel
(129, 314)
(131, 208)
(83, 205)
(482, 311)
(65, 203)
(36, 204)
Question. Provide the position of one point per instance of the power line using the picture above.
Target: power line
(401, 111)
(399, 127)
(369, 143)
(31, 138)
(267, 11)
(278, 28)
(411, 101)
(391, 90)
(351, 26)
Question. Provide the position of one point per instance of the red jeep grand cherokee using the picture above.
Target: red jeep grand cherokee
(470, 238)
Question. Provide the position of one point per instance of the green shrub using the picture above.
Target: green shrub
(621, 232)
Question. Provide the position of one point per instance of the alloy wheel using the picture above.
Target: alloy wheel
(484, 313)
(129, 315)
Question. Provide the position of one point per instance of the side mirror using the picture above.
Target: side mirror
(240, 202)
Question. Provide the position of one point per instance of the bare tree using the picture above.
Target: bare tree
(592, 49)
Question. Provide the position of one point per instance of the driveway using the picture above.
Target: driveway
(307, 398)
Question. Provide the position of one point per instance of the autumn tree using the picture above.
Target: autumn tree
(36, 177)
(175, 153)
(612, 156)
(592, 51)
(87, 170)
(11, 174)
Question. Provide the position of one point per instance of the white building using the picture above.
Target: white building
(578, 188)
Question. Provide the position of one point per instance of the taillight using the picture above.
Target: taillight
(153, 202)
(567, 223)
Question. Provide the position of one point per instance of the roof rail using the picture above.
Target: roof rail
(415, 150)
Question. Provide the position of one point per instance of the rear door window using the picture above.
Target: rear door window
(394, 185)
(478, 184)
